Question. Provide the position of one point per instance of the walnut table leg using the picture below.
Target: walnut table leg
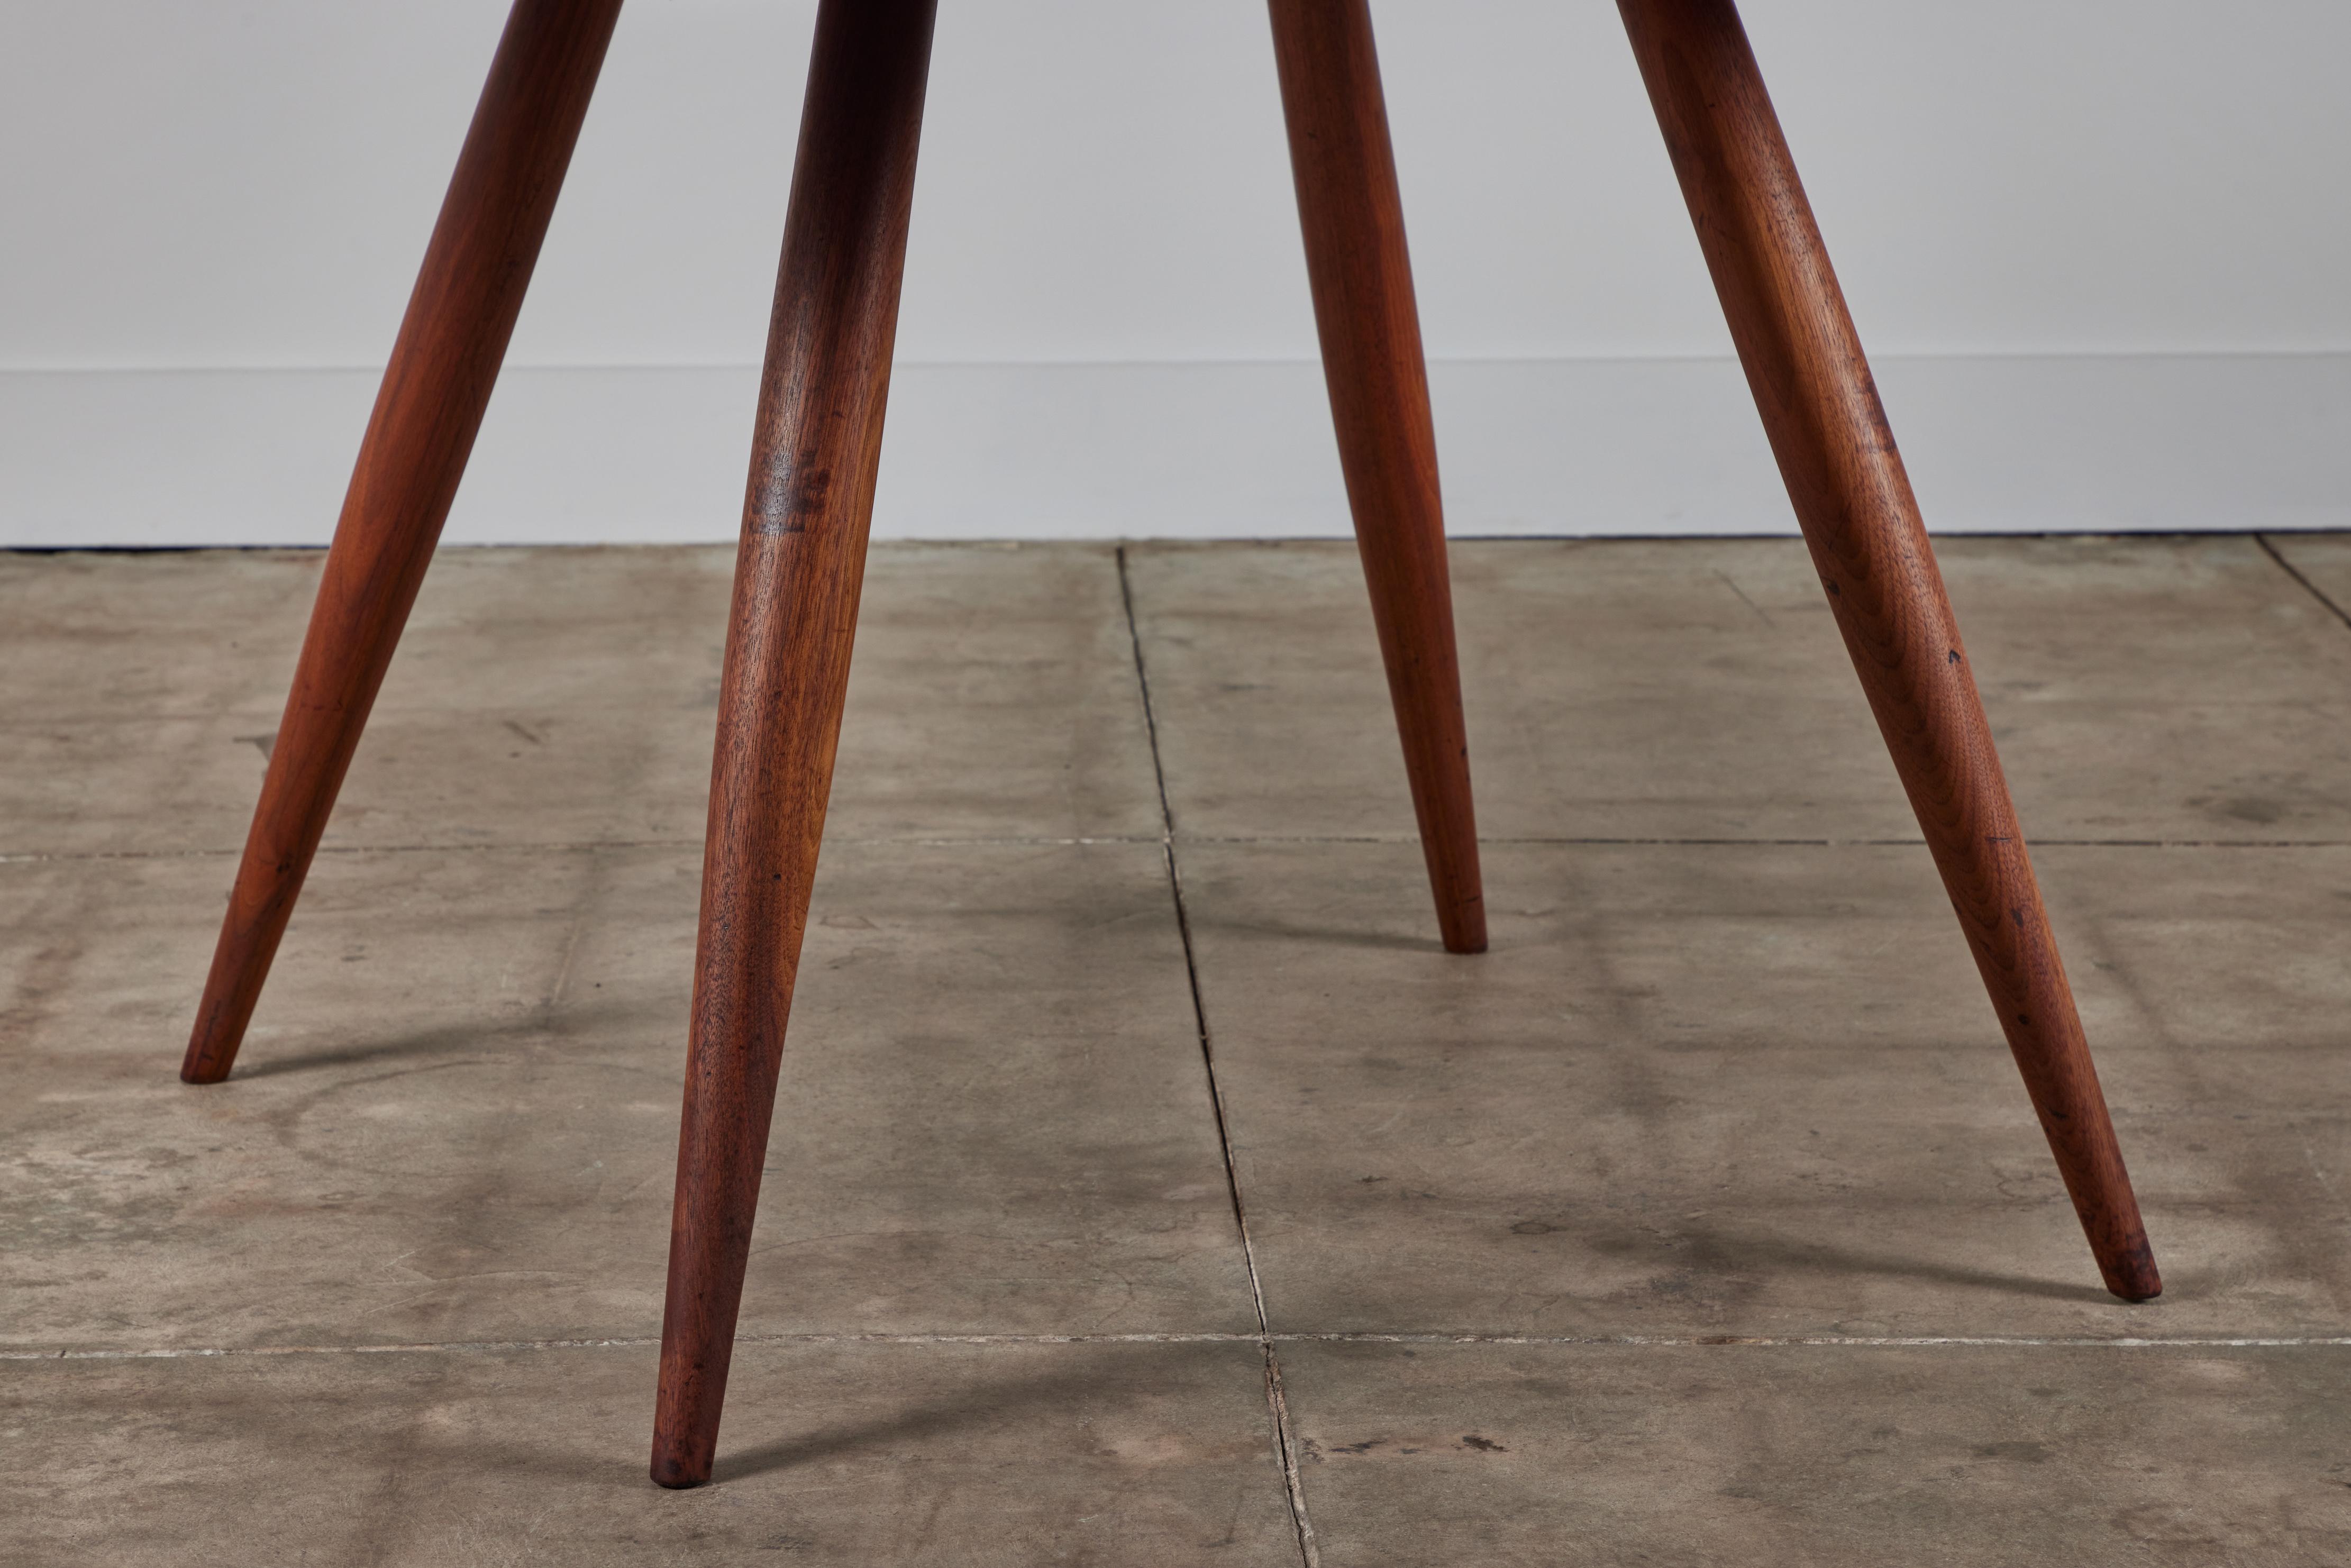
(1821, 410)
(797, 577)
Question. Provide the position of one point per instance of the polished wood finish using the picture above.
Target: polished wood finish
(800, 560)
(1355, 258)
(797, 577)
(1829, 433)
(430, 403)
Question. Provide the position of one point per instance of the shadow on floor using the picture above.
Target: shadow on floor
(990, 1402)
(1743, 1254)
(614, 1019)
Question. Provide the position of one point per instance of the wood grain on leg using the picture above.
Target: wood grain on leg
(1354, 224)
(797, 578)
(1821, 409)
(435, 391)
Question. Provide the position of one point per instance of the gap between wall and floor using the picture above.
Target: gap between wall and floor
(2097, 443)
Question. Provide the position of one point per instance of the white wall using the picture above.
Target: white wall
(2100, 251)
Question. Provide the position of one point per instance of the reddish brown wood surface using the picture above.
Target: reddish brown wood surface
(1355, 258)
(797, 577)
(1821, 410)
(435, 391)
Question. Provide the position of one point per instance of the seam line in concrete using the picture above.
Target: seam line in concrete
(1604, 842)
(1637, 1342)
(1277, 1404)
(27, 857)
(2295, 573)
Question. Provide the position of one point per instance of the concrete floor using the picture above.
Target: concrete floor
(1703, 1220)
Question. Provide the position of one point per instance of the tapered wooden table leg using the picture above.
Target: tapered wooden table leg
(434, 392)
(1361, 277)
(1829, 433)
(797, 578)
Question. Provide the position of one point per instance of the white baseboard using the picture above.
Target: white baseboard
(2060, 443)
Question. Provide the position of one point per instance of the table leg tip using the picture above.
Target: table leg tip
(2132, 1275)
(1465, 932)
(678, 1475)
